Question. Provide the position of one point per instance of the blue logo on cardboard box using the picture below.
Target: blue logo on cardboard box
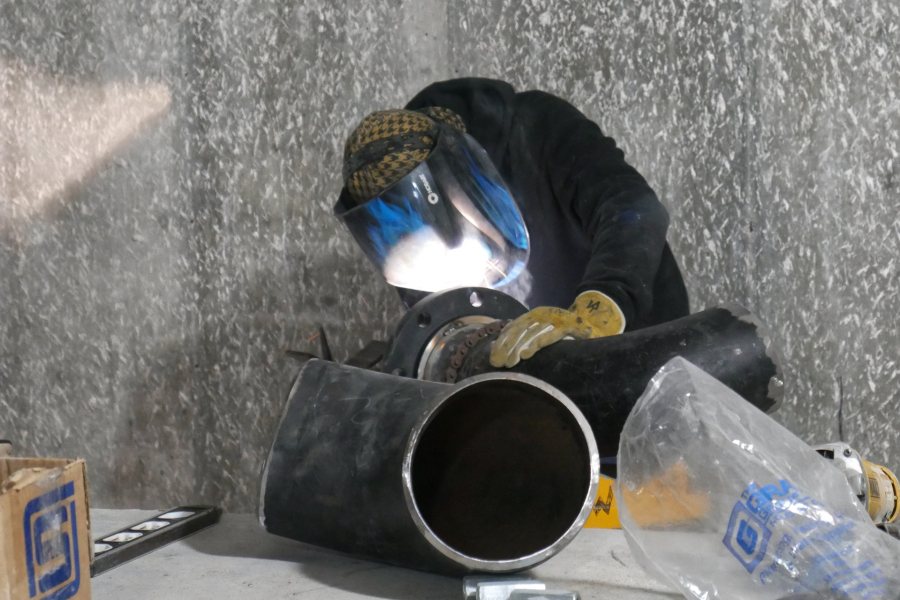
(51, 544)
(746, 537)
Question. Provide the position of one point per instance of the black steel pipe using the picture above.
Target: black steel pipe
(497, 473)
(605, 377)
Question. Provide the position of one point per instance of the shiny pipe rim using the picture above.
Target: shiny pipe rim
(522, 562)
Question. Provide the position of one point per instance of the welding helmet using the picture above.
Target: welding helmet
(448, 221)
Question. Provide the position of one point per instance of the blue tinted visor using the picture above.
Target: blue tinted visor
(450, 222)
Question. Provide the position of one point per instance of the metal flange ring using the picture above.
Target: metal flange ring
(428, 316)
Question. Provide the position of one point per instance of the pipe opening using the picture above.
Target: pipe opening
(501, 471)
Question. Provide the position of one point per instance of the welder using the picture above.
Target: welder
(475, 184)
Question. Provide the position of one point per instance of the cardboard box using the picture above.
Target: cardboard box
(45, 542)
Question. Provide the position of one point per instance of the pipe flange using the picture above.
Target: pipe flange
(430, 315)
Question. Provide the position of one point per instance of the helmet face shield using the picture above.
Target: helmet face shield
(450, 222)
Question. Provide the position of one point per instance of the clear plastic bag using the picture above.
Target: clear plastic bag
(722, 502)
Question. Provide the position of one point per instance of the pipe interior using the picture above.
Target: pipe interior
(501, 471)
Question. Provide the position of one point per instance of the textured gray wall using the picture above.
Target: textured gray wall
(168, 168)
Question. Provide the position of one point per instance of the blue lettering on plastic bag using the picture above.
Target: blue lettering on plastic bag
(814, 548)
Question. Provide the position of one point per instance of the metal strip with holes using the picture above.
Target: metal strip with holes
(145, 536)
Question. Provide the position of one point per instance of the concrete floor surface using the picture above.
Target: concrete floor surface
(237, 559)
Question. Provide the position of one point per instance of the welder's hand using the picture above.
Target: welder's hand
(592, 315)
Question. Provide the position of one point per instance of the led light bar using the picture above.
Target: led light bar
(145, 536)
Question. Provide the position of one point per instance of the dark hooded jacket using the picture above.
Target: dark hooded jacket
(593, 221)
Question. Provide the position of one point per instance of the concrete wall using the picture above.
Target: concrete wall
(168, 168)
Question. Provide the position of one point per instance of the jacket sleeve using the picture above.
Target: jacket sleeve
(606, 197)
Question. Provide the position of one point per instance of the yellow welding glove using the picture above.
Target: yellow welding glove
(592, 315)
